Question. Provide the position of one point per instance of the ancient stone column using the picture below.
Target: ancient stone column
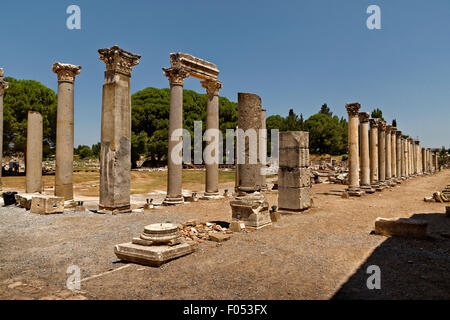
(174, 164)
(411, 157)
(115, 153)
(212, 127)
(64, 129)
(365, 158)
(394, 154)
(263, 150)
(418, 157)
(3, 87)
(353, 152)
(374, 154)
(382, 153)
(249, 206)
(34, 153)
(436, 160)
(404, 169)
(414, 156)
(399, 156)
(388, 155)
(424, 160)
(407, 157)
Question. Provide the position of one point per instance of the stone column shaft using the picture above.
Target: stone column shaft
(115, 153)
(64, 129)
(373, 152)
(34, 153)
(353, 148)
(365, 155)
(388, 153)
(263, 150)
(212, 128)
(399, 154)
(394, 152)
(382, 152)
(3, 87)
(404, 169)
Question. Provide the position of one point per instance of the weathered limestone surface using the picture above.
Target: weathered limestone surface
(399, 156)
(44, 204)
(394, 153)
(294, 182)
(404, 162)
(263, 150)
(115, 154)
(158, 244)
(64, 129)
(365, 158)
(34, 153)
(382, 152)
(249, 206)
(212, 125)
(353, 149)
(412, 228)
(374, 153)
(3, 87)
(388, 155)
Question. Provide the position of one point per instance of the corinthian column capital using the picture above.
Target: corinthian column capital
(381, 125)
(66, 72)
(364, 117)
(212, 87)
(353, 109)
(118, 60)
(176, 75)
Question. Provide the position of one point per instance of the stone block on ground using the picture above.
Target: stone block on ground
(237, 226)
(402, 227)
(294, 199)
(252, 209)
(294, 177)
(24, 199)
(43, 204)
(219, 237)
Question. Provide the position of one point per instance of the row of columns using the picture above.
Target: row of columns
(381, 157)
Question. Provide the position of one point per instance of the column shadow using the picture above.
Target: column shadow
(410, 269)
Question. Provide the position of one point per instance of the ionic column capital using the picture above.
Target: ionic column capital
(118, 60)
(66, 72)
(176, 75)
(212, 87)
(353, 109)
(364, 117)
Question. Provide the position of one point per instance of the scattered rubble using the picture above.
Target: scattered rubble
(437, 197)
(200, 232)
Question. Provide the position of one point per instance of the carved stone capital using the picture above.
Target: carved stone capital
(417, 142)
(374, 122)
(398, 133)
(66, 72)
(118, 60)
(212, 87)
(364, 117)
(388, 129)
(381, 126)
(2, 73)
(353, 109)
(176, 75)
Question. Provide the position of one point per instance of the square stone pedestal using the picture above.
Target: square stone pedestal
(368, 189)
(252, 209)
(117, 210)
(47, 204)
(152, 255)
(354, 192)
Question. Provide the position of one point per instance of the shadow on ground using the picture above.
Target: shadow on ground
(410, 269)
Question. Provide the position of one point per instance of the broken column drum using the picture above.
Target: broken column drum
(34, 153)
(115, 154)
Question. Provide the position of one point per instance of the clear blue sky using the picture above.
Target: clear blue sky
(294, 54)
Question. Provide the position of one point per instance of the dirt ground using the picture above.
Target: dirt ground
(320, 254)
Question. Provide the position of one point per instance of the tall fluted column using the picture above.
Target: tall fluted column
(407, 158)
(64, 129)
(174, 161)
(374, 153)
(365, 158)
(424, 160)
(412, 156)
(388, 155)
(382, 152)
(353, 161)
(115, 153)
(212, 135)
(398, 150)
(3, 87)
(34, 153)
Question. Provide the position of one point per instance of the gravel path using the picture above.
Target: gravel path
(321, 254)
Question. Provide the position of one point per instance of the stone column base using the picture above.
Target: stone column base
(252, 209)
(173, 201)
(115, 210)
(368, 189)
(211, 196)
(354, 192)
